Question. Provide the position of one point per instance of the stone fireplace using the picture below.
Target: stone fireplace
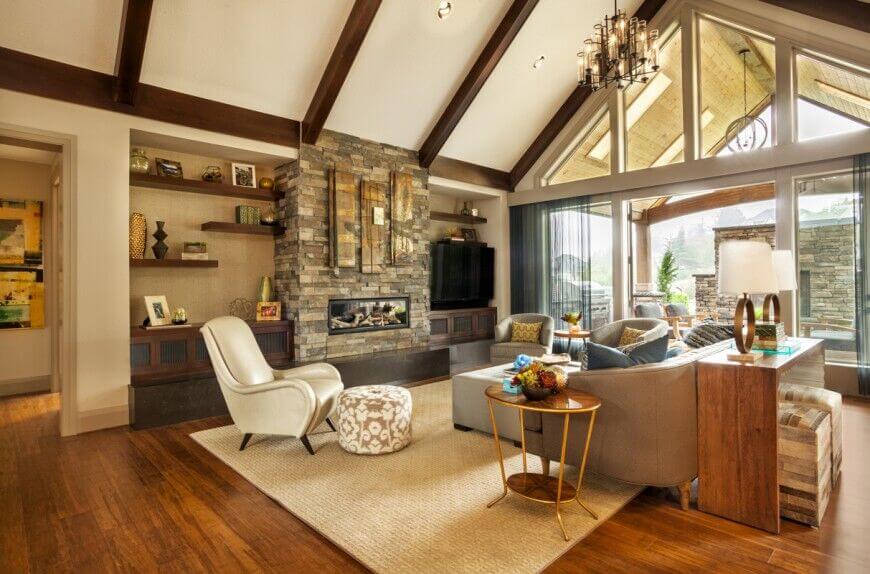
(356, 315)
(312, 291)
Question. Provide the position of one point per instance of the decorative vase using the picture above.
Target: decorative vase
(264, 291)
(266, 183)
(139, 162)
(138, 231)
(536, 393)
(465, 210)
(179, 316)
(212, 174)
(159, 248)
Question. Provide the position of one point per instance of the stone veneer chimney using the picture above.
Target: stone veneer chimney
(305, 282)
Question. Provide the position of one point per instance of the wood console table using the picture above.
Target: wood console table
(738, 432)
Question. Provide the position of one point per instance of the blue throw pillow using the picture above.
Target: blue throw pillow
(673, 352)
(604, 357)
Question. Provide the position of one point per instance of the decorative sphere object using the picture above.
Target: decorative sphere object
(139, 162)
(266, 183)
(212, 174)
(179, 316)
(746, 133)
(267, 216)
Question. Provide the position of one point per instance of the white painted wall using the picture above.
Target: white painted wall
(100, 184)
(26, 363)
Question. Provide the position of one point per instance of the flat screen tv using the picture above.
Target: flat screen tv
(461, 275)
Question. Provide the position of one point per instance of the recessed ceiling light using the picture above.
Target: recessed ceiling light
(539, 61)
(444, 8)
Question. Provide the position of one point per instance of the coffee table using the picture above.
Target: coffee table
(543, 487)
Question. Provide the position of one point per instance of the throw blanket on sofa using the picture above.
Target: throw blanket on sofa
(707, 334)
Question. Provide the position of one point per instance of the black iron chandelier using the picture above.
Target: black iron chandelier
(621, 51)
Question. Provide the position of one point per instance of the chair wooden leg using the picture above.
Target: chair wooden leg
(307, 444)
(332, 426)
(245, 440)
(685, 489)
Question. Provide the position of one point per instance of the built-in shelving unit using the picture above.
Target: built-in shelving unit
(173, 263)
(248, 228)
(455, 217)
(197, 186)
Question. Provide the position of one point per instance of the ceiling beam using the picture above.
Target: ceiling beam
(557, 123)
(458, 170)
(355, 29)
(708, 201)
(29, 74)
(850, 13)
(486, 62)
(131, 49)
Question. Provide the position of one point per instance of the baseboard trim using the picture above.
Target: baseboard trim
(108, 417)
(25, 385)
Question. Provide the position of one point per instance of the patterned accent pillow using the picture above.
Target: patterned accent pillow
(708, 334)
(526, 332)
(629, 336)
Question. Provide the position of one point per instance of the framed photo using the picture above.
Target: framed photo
(168, 168)
(378, 215)
(469, 234)
(244, 175)
(269, 311)
(158, 310)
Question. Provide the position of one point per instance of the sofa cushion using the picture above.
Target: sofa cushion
(603, 357)
(629, 336)
(525, 332)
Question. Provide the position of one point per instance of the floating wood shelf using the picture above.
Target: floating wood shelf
(173, 263)
(455, 217)
(227, 227)
(197, 186)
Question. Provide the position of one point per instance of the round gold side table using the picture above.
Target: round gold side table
(543, 487)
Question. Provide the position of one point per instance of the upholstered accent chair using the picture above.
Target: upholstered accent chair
(610, 333)
(505, 351)
(677, 316)
(263, 400)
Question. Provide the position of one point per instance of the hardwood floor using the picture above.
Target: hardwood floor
(122, 500)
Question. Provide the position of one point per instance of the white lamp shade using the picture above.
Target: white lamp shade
(746, 267)
(783, 266)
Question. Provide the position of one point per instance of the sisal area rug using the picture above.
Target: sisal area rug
(422, 509)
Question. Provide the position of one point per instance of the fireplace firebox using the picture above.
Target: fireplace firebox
(375, 314)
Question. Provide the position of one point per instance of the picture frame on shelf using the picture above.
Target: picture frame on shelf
(159, 314)
(269, 311)
(244, 175)
(168, 168)
(469, 234)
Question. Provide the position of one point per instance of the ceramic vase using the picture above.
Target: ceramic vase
(264, 291)
(138, 231)
(160, 248)
(139, 162)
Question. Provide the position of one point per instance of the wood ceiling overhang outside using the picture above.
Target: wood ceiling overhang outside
(124, 93)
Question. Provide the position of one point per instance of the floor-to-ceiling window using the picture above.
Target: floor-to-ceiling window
(826, 263)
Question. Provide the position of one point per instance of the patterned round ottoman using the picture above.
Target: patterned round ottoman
(374, 419)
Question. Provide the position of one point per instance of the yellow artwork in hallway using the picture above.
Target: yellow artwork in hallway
(22, 286)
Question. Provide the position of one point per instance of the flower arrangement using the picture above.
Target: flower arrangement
(573, 318)
(539, 381)
(521, 362)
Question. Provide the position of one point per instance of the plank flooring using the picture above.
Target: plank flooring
(155, 501)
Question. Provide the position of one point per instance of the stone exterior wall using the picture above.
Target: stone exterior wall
(707, 299)
(304, 280)
(827, 252)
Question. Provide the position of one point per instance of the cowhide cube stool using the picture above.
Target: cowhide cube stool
(374, 419)
(824, 400)
(804, 458)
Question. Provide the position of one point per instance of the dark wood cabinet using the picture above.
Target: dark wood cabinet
(462, 325)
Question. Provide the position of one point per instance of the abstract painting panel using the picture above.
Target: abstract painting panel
(343, 219)
(22, 286)
(373, 236)
(401, 202)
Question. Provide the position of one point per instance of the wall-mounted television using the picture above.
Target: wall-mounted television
(461, 275)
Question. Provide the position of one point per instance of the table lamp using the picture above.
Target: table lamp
(745, 268)
(783, 267)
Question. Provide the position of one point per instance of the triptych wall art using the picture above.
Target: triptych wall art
(22, 285)
(364, 216)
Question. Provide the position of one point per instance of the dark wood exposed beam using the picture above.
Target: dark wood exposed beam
(469, 172)
(30, 144)
(355, 29)
(131, 49)
(22, 72)
(851, 13)
(486, 62)
(646, 11)
(713, 200)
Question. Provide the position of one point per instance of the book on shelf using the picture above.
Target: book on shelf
(194, 256)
